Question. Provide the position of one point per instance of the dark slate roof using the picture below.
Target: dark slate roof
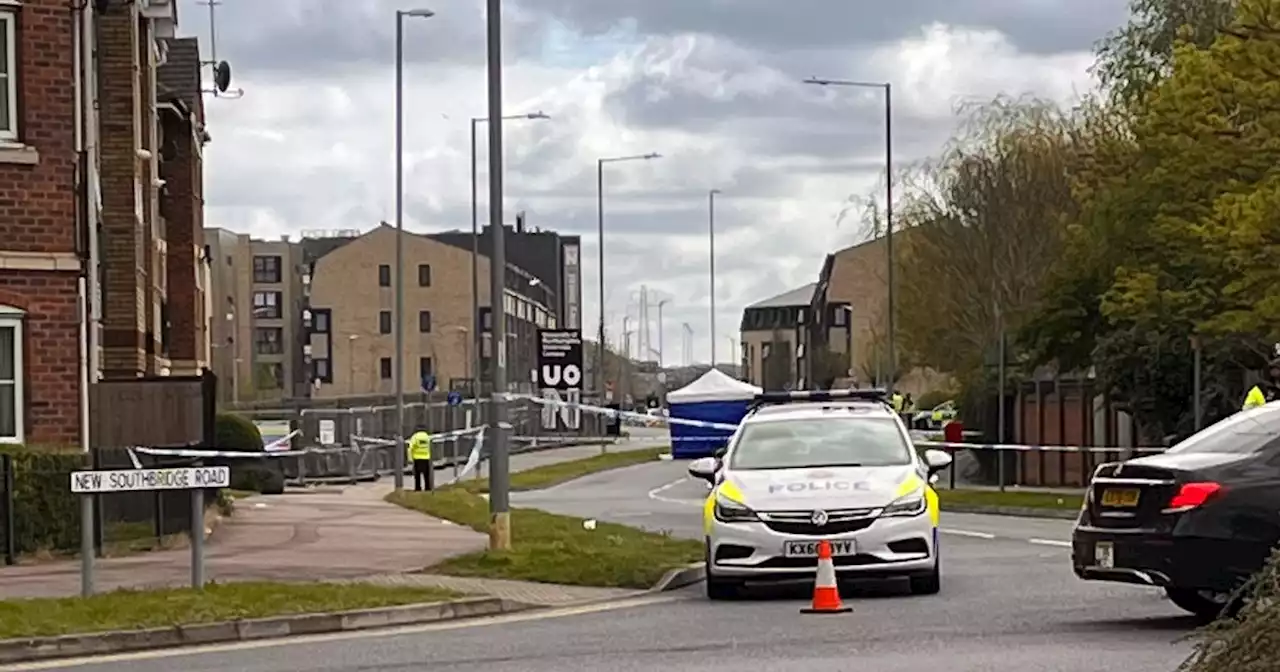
(179, 77)
(799, 296)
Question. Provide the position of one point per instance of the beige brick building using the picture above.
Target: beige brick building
(352, 303)
(256, 291)
(773, 340)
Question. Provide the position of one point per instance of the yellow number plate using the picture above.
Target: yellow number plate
(1120, 498)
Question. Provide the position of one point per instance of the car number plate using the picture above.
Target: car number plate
(1104, 555)
(809, 549)
(1123, 498)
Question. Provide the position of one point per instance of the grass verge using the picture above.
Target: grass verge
(562, 472)
(551, 548)
(1010, 498)
(135, 610)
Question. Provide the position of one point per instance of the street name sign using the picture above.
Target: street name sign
(135, 480)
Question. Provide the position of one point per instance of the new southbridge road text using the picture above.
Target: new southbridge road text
(125, 480)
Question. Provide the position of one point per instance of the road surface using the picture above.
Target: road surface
(1009, 602)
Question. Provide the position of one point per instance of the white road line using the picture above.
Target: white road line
(967, 533)
(656, 494)
(1050, 542)
(535, 615)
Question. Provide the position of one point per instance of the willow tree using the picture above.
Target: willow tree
(982, 226)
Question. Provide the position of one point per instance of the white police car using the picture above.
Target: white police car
(808, 466)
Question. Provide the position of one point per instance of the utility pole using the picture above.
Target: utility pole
(711, 245)
(499, 506)
(661, 359)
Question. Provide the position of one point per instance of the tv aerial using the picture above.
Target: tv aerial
(221, 69)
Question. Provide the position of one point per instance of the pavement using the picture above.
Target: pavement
(329, 533)
(1009, 602)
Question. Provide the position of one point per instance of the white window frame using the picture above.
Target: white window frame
(11, 317)
(9, 29)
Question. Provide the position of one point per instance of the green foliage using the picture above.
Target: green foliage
(46, 514)
(235, 433)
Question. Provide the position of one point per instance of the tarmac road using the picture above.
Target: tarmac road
(1008, 603)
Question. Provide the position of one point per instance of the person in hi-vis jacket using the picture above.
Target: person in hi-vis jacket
(1266, 390)
(420, 456)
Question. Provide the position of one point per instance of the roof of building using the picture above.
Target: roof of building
(179, 77)
(799, 296)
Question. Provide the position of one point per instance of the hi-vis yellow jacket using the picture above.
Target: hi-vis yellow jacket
(420, 446)
(1254, 399)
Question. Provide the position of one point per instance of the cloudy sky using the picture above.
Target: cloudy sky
(712, 85)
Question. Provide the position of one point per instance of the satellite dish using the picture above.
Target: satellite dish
(222, 76)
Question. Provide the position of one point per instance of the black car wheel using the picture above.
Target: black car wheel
(929, 584)
(1202, 604)
(718, 588)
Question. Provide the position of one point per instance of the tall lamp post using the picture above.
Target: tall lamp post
(398, 359)
(711, 240)
(476, 332)
(888, 193)
(599, 369)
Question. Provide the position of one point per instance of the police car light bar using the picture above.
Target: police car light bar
(873, 395)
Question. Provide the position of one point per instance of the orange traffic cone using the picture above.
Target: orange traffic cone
(826, 594)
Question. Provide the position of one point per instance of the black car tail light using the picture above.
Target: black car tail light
(1193, 495)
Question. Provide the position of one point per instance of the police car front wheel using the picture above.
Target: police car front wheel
(718, 588)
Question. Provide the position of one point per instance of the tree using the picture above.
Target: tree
(1136, 58)
(982, 225)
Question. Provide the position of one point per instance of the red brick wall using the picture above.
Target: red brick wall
(51, 333)
(37, 203)
(38, 215)
(125, 287)
(181, 206)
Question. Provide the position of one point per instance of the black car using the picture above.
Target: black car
(1197, 520)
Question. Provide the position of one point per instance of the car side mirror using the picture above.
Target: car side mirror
(705, 468)
(936, 460)
(721, 452)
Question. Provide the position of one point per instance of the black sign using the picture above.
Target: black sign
(560, 359)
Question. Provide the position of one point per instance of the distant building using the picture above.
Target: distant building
(773, 339)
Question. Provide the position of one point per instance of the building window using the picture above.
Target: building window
(266, 305)
(424, 275)
(322, 372)
(384, 366)
(425, 367)
(320, 321)
(11, 375)
(8, 76)
(266, 269)
(424, 321)
(384, 322)
(268, 340)
(384, 275)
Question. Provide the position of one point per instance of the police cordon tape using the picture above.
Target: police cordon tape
(944, 445)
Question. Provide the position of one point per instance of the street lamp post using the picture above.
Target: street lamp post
(662, 362)
(888, 192)
(398, 360)
(599, 369)
(711, 239)
(477, 333)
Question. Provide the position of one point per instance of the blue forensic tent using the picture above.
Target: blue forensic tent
(715, 397)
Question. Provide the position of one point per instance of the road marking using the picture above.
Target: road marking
(656, 493)
(302, 640)
(1050, 542)
(967, 533)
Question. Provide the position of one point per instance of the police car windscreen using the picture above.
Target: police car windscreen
(820, 442)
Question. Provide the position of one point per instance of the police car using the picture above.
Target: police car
(807, 466)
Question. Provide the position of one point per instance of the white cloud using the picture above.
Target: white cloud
(309, 148)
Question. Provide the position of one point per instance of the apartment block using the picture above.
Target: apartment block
(352, 304)
(80, 173)
(774, 341)
(256, 316)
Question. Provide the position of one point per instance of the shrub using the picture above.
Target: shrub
(46, 515)
(237, 434)
(1249, 641)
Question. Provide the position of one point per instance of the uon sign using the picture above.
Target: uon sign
(560, 376)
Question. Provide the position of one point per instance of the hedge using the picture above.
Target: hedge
(236, 434)
(46, 514)
(1249, 641)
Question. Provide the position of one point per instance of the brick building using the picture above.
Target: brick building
(77, 187)
(352, 298)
